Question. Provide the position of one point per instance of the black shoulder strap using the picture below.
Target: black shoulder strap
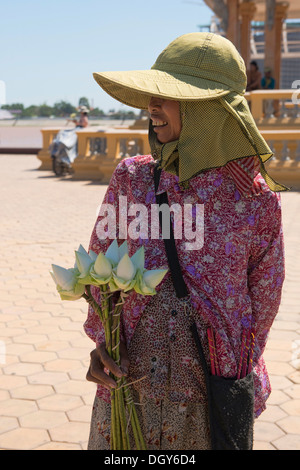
(173, 261)
(177, 277)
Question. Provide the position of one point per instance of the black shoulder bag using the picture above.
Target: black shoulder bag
(230, 400)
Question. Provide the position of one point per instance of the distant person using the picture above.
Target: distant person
(83, 121)
(268, 82)
(254, 77)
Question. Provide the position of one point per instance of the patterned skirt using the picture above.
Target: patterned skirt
(165, 425)
(171, 401)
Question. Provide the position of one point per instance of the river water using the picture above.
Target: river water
(26, 133)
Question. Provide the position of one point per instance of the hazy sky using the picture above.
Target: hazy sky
(49, 49)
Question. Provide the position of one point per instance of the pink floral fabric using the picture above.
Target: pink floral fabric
(235, 280)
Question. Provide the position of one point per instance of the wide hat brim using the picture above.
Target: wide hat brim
(135, 88)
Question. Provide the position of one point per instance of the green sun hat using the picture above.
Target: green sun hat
(195, 66)
(207, 75)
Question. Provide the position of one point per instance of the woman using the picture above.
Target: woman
(83, 121)
(206, 143)
(255, 76)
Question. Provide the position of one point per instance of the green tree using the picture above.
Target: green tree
(63, 108)
(96, 112)
(83, 101)
(13, 107)
(45, 111)
(30, 111)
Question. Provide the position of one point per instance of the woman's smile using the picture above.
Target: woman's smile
(166, 120)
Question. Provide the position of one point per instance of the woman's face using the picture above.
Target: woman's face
(165, 117)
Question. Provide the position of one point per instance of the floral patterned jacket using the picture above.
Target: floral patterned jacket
(234, 280)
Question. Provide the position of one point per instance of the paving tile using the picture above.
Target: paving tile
(75, 387)
(291, 407)
(278, 397)
(279, 368)
(19, 349)
(43, 419)
(288, 442)
(280, 382)
(294, 391)
(62, 365)
(39, 357)
(29, 339)
(7, 382)
(262, 445)
(74, 353)
(82, 414)
(17, 408)
(23, 439)
(51, 345)
(295, 377)
(32, 392)
(48, 378)
(8, 424)
(265, 431)
(290, 424)
(4, 395)
(59, 446)
(272, 414)
(23, 369)
(45, 401)
(70, 432)
(59, 402)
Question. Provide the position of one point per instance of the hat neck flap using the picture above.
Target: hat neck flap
(214, 133)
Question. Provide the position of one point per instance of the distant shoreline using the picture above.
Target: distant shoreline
(26, 133)
(62, 122)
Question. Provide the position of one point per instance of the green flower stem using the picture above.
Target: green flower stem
(118, 408)
(116, 423)
(122, 419)
(91, 301)
(112, 423)
(105, 302)
(139, 441)
(121, 400)
(136, 429)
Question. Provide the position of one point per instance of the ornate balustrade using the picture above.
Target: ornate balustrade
(48, 135)
(284, 166)
(275, 109)
(99, 151)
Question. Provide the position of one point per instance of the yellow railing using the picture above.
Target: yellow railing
(99, 152)
(48, 135)
(284, 166)
(275, 109)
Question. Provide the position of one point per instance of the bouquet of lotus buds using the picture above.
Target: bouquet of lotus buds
(115, 274)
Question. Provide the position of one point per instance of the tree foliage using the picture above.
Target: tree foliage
(64, 109)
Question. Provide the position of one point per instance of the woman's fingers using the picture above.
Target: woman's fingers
(97, 380)
(100, 360)
(108, 362)
(96, 371)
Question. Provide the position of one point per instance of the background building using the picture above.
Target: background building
(267, 31)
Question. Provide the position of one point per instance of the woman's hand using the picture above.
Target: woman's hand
(100, 360)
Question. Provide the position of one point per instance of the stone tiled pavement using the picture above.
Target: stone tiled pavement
(45, 402)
